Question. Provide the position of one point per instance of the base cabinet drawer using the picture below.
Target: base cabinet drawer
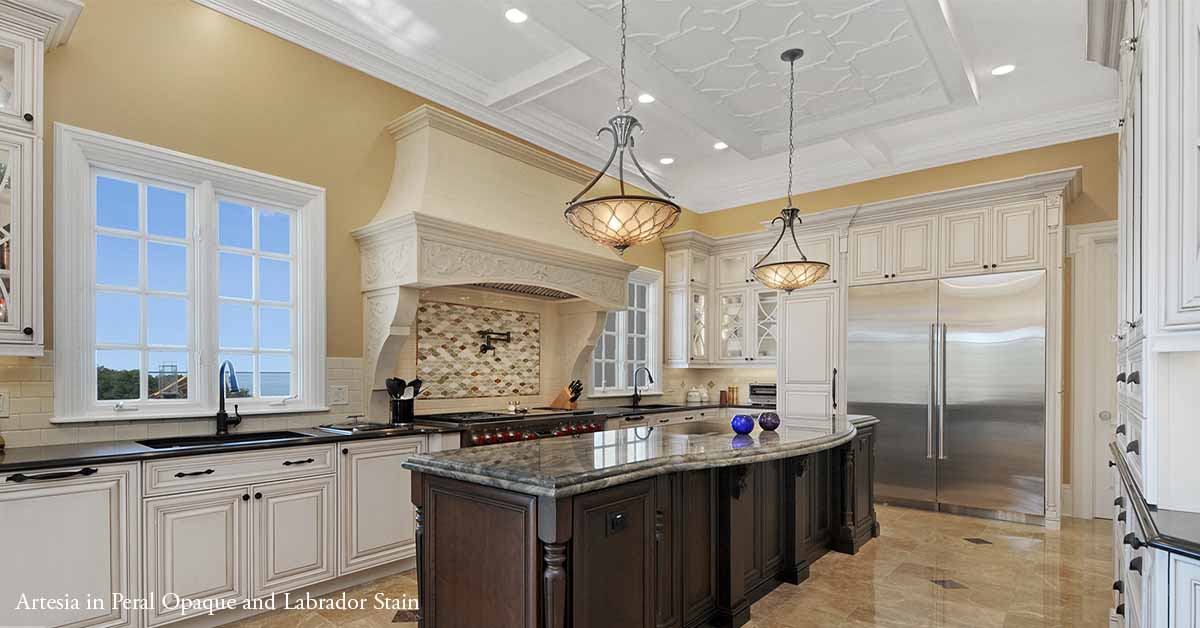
(193, 473)
(70, 531)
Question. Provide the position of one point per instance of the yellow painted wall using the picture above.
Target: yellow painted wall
(1097, 156)
(175, 74)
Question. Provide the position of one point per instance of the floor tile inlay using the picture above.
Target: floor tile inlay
(949, 584)
(978, 541)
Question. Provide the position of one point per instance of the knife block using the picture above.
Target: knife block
(563, 400)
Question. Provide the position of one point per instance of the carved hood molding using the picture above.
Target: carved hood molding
(412, 243)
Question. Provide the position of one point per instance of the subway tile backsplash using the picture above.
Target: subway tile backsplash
(31, 404)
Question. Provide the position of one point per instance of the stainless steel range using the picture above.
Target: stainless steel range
(489, 428)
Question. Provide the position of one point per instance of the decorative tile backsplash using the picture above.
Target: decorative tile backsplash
(448, 358)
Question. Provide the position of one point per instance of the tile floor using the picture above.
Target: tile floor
(926, 569)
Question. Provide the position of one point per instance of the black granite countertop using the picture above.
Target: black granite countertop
(558, 467)
(50, 456)
(1173, 531)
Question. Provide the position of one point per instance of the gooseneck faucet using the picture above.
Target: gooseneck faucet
(637, 393)
(226, 381)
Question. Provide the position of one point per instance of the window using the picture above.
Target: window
(631, 339)
(186, 263)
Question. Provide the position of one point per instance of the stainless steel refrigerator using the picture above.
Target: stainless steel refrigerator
(955, 370)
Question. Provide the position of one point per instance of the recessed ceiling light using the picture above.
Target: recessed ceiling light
(1001, 70)
(516, 16)
(645, 99)
(720, 146)
(666, 161)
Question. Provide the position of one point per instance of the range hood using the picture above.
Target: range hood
(469, 206)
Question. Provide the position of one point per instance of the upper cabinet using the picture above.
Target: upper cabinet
(996, 239)
(27, 30)
(896, 251)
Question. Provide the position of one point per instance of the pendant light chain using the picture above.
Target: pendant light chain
(623, 105)
(791, 124)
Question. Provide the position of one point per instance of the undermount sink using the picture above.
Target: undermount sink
(224, 439)
(651, 406)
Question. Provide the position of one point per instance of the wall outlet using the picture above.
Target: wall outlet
(4, 401)
(339, 395)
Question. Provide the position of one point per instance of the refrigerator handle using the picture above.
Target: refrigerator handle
(933, 371)
(942, 396)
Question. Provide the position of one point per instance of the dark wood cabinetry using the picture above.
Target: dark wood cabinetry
(678, 550)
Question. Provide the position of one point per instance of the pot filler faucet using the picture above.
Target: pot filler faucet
(226, 381)
(637, 394)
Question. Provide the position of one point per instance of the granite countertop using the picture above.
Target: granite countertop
(50, 456)
(559, 467)
(1173, 531)
(610, 411)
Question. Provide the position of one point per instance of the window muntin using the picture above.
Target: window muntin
(256, 287)
(144, 300)
(628, 342)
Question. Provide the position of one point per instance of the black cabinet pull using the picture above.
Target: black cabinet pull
(1121, 377)
(1132, 541)
(246, 497)
(1135, 377)
(1121, 609)
(258, 496)
(1121, 429)
(993, 265)
(58, 475)
(1136, 565)
(28, 117)
(1111, 463)
(181, 474)
(985, 266)
(28, 331)
(1121, 516)
(1132, 447)
(288, 463)
(345, 451)
(1119, 502)
(1119, 586)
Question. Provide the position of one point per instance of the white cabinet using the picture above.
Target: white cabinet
(733, 337)
(678, 326)
(20, 79)
(1177, 208)
(70, 531)
(687, 266)
(995, 239)
(733, 269)
(375, 503)
(1185, 593)
(197, 547)
(688, 326)
(766, 325)
(809, 354)
(699, 325)
(20, 244)
(901, 250)
(294, 526)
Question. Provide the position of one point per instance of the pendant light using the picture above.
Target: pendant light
(788, 276)
(622, 220)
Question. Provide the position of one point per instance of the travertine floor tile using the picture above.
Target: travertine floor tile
(1022, 577)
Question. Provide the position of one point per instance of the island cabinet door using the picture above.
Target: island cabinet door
(668, 585)
(813, 508)
(698, 542)
(613, 557)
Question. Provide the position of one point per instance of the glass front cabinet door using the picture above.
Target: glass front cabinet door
(20, 248)
(20, 61)
(733, 340)
(766, 325)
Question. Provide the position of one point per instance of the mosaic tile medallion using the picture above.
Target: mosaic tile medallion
(450, 364)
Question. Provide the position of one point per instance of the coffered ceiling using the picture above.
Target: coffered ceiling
(885, 86)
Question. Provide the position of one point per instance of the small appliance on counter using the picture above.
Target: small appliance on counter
(693, 395)
(762, 395)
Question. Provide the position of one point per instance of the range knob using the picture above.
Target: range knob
(476, 439)
(595, 428)
(487, 437)
(512, 435)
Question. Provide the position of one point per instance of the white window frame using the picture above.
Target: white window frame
(653, 280)
(79, 155)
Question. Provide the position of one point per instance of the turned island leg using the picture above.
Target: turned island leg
(554, 531)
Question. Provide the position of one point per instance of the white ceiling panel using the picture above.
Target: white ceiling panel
(885, 86)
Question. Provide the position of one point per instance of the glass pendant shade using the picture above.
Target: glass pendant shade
(622, 221)
(788, 276)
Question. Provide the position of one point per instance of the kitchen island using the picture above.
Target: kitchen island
(674, 526)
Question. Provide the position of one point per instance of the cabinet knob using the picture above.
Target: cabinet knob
(1134, 377)
(1121, 609)
(258, 496)
(1121, 516)
(1132, 541)
(985, 266)
(28, 117)
(1118, 586)
(1121, 429)
(28, 331)
(1119, 502)
(993, 265)
(1132, 447)
(246, 497)
(1111, 463)
(1136, 565)
(345, 451)
(1121, 377)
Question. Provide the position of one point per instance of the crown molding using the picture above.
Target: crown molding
(427, 117)
(1105, 21)
(1080, 123)
(51, 20)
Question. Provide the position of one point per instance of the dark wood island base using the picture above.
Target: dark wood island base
(680, 549)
